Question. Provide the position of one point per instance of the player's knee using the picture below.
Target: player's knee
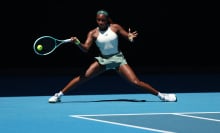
(136, 82)
(83, 77)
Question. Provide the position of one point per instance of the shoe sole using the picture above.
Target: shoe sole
(54, 101)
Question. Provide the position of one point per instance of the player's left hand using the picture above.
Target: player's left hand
(132, 35)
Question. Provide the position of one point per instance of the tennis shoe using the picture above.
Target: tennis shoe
(168, 97)
(55, 99)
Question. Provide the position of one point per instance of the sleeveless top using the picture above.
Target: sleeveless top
(107, 42)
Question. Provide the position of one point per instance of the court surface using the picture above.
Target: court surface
(126, 113)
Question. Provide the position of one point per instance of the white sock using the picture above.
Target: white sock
(60, 93)
(159, 94)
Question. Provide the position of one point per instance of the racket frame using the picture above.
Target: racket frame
(57, 43)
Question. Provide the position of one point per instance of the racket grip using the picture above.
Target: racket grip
(67, 40)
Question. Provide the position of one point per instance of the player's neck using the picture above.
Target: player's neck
(103, 28)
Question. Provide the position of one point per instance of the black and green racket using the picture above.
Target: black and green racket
(47, 44)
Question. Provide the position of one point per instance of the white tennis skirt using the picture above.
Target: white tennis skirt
(112, 61)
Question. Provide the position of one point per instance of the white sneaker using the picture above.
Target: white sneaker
(55, 99)
(168, 97)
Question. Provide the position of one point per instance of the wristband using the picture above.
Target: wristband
(77, 42)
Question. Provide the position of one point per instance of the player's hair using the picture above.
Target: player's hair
(102, 12)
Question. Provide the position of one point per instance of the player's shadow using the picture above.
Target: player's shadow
(111, 100)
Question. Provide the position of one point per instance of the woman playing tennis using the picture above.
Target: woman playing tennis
(105, 36)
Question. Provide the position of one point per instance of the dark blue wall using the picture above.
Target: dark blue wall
(36, 82)
(174, 50)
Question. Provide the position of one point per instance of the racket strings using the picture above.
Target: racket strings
(48, 45)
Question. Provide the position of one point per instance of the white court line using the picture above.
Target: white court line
(145, 128)
(121, 124)
(150, 114)
(197, 117)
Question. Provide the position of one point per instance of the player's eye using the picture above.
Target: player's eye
(102, 20)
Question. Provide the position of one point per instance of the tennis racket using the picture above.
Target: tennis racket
(47, 44)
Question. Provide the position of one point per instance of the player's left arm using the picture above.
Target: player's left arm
(126, 34)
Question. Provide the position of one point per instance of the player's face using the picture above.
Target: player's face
(102, 21)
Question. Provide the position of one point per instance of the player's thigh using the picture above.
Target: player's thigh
(94, 69)
(127, 72)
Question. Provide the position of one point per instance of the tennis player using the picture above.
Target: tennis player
(105, 36)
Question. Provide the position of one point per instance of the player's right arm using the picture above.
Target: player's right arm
(87, 44)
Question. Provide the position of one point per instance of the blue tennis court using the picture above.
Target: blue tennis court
(129, 113)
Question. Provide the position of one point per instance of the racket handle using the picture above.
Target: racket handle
(67, 40)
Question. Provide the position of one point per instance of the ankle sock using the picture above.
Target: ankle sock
(159, 95)
(60, 93)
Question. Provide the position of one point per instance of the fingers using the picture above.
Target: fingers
(135, 33)
(131, 35)
(74, 39)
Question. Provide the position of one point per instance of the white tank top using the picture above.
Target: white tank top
(107, 42)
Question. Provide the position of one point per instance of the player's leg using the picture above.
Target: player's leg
(93, 70)
(127, 72)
